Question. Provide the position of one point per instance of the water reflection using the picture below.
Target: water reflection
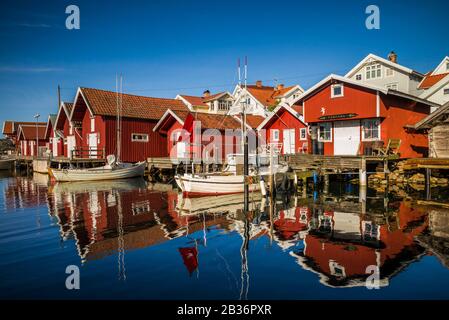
(335, 235)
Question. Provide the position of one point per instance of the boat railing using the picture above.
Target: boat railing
(88, 153)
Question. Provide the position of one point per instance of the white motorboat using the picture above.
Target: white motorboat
(212, 184)
(107, 172)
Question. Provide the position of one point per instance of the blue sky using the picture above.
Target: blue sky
(167, 47)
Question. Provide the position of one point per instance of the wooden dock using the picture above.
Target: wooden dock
(332, 164)
(426, 163)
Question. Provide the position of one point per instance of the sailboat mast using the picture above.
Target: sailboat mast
(119, 120)
(116, 117)
(245, 144)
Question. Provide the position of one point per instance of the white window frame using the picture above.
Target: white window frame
(447, 65)
(319, 132)
(388, 85)
(336, 85)
(373, 67)
(301, 130)
(92, 124)
(389, 75)
(360, 76)
(446, 91)
(274, 133)
(140, 140)
(363, 131)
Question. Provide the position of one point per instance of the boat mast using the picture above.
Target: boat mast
(245, 143)
(118, 120)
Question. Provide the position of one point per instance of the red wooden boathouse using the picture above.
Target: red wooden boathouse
(172, 122)
(286, 127)
(65, 136)
(27, 136)
(347, 117)
(94, 115)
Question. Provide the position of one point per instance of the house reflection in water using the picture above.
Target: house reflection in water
(340, 246)
(335, 238)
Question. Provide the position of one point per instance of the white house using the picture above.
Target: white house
(386, 73)
(218, 103)
(435, 84)
(261, 100)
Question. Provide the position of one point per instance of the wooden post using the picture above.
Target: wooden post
(362, 172)
(428, 176)
(326, 184)
(362, 198)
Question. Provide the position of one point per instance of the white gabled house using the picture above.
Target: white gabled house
(435, 84)
(217, 103)
(261, 100)
(386, 73)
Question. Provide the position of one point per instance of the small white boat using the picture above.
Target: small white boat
(107, 172)
(212, 184)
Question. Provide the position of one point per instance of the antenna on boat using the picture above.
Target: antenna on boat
(238, 70)
(245, 143)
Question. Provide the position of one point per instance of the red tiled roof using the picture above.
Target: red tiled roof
(267, 95)
(195, 101)
(297, 108)
(212, 96)
(216, 121)
(201, 101)
(104, 103)
(8, 127)
(430, 80)
(11, 127)
(69, 106)
(29, 132)
(253, 120)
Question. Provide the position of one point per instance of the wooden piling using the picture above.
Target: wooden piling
(362, 172)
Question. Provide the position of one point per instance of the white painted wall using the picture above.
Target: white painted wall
(405, 82)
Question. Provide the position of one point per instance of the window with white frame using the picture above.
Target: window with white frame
(302, 134)
(337, 90)
(224, 105)
(392, 86)
(139, 137)
(370, 129)
(373, 71)
(389, 72)
(325, 132)
(358, 77)
(92, 124)
(275, 135)
(447, 65)
(446, 91)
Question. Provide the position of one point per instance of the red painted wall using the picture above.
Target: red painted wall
(355, 100)
(285, 120)
(132, 151)
(395, 113)
(398, 113)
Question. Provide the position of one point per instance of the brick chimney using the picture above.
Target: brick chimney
(280, 86)
(206, 93)
(393, 57)
(259, 83)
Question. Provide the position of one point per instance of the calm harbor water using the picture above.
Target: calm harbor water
(134, 240)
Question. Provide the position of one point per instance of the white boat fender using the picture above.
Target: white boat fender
(263, 189)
